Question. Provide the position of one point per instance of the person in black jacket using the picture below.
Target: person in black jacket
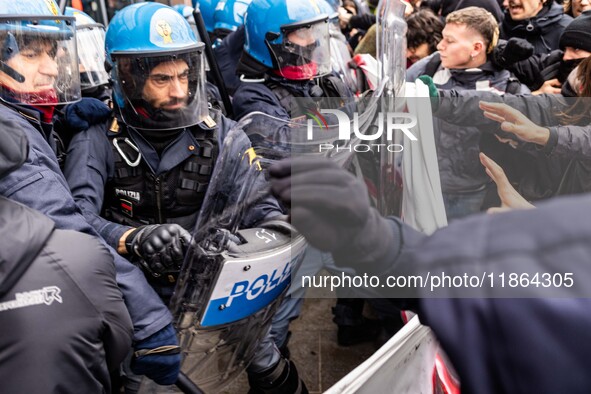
(35, 77)
(537, 343)
(539, 22)
(547, 73)
(65, 327)
(463, 63)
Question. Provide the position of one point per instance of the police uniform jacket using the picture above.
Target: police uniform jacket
(92, 164)
(40, 184)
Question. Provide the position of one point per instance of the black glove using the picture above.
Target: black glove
(85, 113)
(158, 357)
(331, 208)
(505, 54)
(162, 247)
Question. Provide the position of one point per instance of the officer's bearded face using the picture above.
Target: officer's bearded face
(167, 86)
(36, 62)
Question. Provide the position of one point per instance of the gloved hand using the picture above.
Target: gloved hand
(81, 115)
(158, 357)
(427, 80)
(331, 208)
(514, 50)
(161, 246)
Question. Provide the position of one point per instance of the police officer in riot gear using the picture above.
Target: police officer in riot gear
(286, 55)
(285, 69)
(90, 37)
(146, 173)
(37, 59)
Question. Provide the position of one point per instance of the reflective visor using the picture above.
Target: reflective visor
(91, 56)
(304, 52)
(161, 91)
(38, 60)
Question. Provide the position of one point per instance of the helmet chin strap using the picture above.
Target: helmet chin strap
(9, 49)
(12, 73)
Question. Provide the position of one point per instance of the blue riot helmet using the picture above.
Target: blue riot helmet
(90, 36)
(184, 10)
(38, 59)
(187, 13)
(229, 16)
(289, 36)
(157, 68)
(207, 9)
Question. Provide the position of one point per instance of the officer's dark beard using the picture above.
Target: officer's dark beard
(147, 117)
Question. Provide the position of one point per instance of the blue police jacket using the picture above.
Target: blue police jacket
(91, 163)
(40, 184)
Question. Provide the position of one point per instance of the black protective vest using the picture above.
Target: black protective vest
(136, 196)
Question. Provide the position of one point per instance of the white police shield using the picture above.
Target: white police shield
(235, 274)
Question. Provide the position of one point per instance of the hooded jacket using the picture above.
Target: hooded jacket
(543, 31)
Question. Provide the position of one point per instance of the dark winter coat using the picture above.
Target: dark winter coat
(64, 322)
(498, 345)
(543, 31)
(40, 184)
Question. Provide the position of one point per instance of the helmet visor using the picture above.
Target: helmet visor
(91, 56)
(164, 91)
(304, 52)
(38, 60)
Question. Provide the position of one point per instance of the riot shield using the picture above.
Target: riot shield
(385, 170)
(233, 278)
(340, 56)
(391, 45)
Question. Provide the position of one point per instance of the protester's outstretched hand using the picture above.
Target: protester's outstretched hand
(513, 121)
(510, 198)
(551, 86)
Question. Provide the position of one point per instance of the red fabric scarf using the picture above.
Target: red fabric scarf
(298, 73)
